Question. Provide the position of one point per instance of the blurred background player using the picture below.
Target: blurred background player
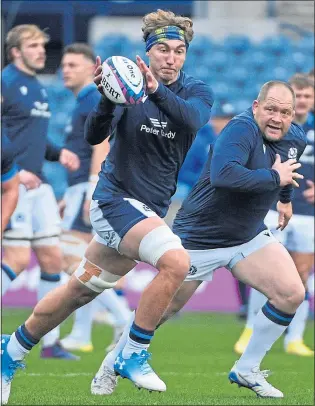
(9, 181)
(35, 222)
(298, 236)
(78, 64)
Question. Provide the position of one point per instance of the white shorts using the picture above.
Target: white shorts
(298, 236)
(35, 217)
(205, 262)
(73, 215)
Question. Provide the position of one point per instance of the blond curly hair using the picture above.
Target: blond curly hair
(163, 18)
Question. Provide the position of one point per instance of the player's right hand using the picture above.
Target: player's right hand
(287, 172)
(29, 180)
(98, 75)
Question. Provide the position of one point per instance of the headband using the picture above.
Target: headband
(162, 34)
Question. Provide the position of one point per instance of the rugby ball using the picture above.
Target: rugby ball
(122, 81)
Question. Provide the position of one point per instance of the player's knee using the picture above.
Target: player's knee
(17, 260)
(94, 277)
(163, 249)
(50, 259)
(292, 296)
(175, 263)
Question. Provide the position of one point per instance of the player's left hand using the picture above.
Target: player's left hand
(309, 192)
(285, 213)
(151, 83)
(69, 160)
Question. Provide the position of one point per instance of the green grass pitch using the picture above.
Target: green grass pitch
(192, 354)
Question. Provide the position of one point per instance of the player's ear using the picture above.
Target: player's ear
(255, 105)
(15, 52)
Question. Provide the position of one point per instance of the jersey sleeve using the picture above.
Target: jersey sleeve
(102, 121)
(228, 165)
(287, 192)
(8, 166)
(193, 113)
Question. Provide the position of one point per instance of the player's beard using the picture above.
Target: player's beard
(29, 66)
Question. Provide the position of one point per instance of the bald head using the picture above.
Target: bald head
(278, 89)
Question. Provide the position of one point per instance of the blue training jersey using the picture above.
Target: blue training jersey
(300, 204)
(25, 113)
(8, 166)
(87, 99)
(228, 204)
(149, 141)
(197, 156)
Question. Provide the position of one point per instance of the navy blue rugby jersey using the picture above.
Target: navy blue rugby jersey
(25, 114)
(149, 142)
(228, 204)
(300, 204)
(87, 99)
(8, 166)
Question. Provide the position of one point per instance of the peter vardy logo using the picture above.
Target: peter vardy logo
(158, 128)
(40, 110)
(158, 124)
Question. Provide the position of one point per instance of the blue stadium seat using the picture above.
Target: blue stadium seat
(200, 46)
(217, 61)
(237, 44)
(113, 44)
(138, 48)
(275, 45)
(222, 93)
(306, 45)
(241, 105)
(238, 76)
(256, 61)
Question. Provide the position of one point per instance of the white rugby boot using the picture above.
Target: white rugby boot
(255, 381)
(137, 370)
(105, 381)
(8, 369)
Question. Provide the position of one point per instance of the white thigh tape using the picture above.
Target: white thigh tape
(156, 243)
(45, 241)
(72, 245)
(95, 278)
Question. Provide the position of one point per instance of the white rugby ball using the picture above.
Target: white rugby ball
(122, 81)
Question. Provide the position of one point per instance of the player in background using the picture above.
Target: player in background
(78, 65)
(137, 181)
(298, 236)
(35, 223)
(248, 167)
(9, 181)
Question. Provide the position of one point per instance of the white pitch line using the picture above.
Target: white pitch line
(91, 374)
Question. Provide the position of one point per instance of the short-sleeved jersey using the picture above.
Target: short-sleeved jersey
(25, 113)
(149, 141)
(8, 166)
(228, 204)
(299, 203)
(87, 99)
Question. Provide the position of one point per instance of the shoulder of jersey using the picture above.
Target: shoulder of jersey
(297, 131)
(246, 118)
(8, 74)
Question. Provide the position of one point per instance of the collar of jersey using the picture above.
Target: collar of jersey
(86, 90)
